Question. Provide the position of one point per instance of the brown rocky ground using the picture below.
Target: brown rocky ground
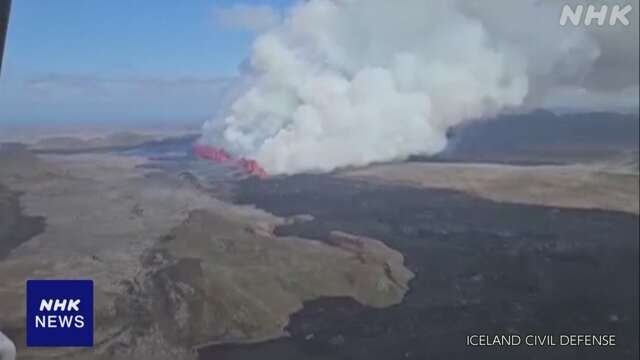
(178, 269)
(595, 186)
(174, 268)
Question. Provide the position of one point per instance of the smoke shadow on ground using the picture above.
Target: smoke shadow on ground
(541, 137)
(15, 227)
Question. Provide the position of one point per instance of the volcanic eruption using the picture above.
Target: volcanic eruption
(351, 82)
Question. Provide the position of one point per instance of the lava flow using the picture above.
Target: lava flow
(221, 156)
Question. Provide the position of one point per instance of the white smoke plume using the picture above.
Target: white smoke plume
(352, 82)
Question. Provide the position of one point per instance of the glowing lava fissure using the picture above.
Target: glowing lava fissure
(219, 155)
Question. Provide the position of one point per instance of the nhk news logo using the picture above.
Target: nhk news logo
(59, 313)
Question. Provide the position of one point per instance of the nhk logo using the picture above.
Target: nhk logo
(63, 321)
(59, 313)
(589, 15)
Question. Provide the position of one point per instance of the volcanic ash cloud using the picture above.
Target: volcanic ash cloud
(351, 82)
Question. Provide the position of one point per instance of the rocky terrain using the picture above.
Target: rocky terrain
(481, 266)
(607, 185)
(342, 264)
(174, 268)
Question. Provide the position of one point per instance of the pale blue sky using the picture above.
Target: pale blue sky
(125, 60)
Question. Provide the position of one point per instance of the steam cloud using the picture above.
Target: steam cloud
(351, 82)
